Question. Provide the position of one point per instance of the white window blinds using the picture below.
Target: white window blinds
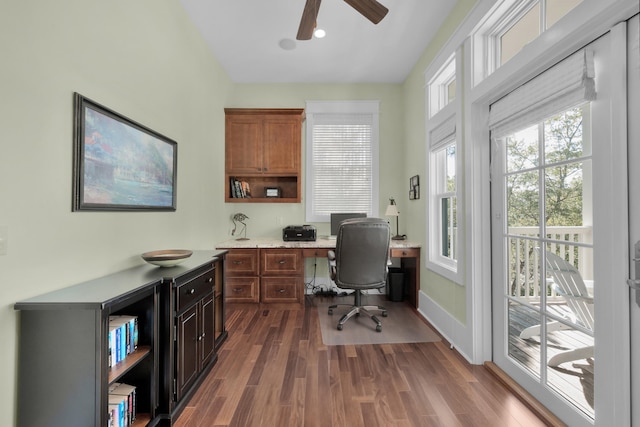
(566, 84)
(341, 158)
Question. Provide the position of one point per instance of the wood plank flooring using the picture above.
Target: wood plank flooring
(274, 370)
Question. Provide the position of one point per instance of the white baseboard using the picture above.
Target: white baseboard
(449, 327)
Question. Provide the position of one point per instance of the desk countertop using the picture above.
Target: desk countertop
(322, 242)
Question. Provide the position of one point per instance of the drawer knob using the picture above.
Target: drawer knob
(282, 291)
(237, 262)
(237, 289)
(210, 279)
(281, 261)
(192, 291)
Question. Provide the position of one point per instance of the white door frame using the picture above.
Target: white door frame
(477, 167)
(633, 65)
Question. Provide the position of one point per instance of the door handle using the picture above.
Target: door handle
(635, 283)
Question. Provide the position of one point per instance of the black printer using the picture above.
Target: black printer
(299, 233)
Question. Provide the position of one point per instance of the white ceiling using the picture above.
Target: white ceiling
(245, 34)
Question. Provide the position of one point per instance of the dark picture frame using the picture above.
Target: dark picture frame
(414, 187)
(118, 164)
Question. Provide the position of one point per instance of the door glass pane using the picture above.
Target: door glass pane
(570, 312)
(524, 273)
(524, 336)
(563, 136)
(523, 203)
(549, 289)
(522, 149)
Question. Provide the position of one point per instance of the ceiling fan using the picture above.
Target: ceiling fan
(370, 9)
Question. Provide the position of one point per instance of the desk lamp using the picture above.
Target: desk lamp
(392, 210)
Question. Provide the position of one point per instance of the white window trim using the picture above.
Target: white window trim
(445, 117)
(342, 107)
(437, 86)
(580, 26)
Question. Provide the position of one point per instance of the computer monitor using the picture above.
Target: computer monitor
(337, 218)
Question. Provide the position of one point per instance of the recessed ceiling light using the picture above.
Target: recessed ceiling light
(319, 33)
(287, 44)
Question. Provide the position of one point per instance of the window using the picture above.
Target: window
(443, 166)
(443, 199)
(512, 25)
(342, 158)
(444, 195)
(442, 87)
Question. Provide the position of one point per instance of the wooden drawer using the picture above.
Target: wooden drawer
(315, 253)
(194, 289)
(281, 289)
(405, 252)
(242, 262)
(279, 262)
(241, 289)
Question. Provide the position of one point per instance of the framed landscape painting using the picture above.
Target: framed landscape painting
(118, 164)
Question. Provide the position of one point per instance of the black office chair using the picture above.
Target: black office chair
(360, 262)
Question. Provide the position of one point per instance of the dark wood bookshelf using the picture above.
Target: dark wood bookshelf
(132, 359)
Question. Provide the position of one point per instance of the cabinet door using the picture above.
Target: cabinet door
(241, 289)
(243, 151)
(281, 145)
(281, 289)
(278, 262)
(187, 350)
(207, 337)
(242, 262)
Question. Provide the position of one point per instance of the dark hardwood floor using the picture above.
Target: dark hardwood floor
(274, 370)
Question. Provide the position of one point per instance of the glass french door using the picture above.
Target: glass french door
(558, 264)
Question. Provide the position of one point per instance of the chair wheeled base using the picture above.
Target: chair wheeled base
(357, 308)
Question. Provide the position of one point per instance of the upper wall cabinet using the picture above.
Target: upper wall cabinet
(263, 155)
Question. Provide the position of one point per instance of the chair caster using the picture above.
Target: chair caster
(339, 327)
(384, 314)
(378, 328)
(330, 311)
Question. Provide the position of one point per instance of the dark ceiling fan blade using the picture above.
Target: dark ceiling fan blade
(308, 20)
(370, 9)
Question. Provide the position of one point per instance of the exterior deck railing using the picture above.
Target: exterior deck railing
(524, 266)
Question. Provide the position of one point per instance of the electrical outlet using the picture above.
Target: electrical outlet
(4, 239)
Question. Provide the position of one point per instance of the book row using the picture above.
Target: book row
(122, 405)
(123, 337)
(239, 188)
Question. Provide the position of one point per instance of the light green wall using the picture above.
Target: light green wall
(445, 293)
(145, 60)
(263, 217)
(141, 58)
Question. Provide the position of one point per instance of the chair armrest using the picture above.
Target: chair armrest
(585, 298)
(331, 258)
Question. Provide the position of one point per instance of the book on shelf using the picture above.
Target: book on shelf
(123, 337)
(112, 345)
(239, 188)
(128, 395)
(118, 405)
(113, 420)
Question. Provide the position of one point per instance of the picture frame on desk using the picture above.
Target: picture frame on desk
(118, 164)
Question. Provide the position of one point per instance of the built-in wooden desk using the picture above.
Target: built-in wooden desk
(251, 271)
